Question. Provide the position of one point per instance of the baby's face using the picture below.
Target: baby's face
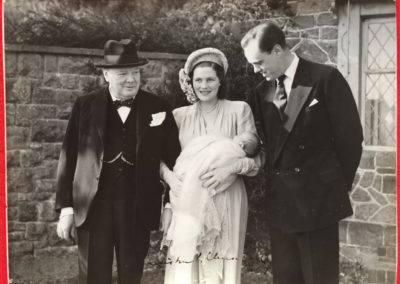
(248, 142)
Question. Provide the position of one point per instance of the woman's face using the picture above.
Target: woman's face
(206, 83)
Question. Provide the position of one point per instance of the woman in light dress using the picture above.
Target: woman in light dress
(218, 251)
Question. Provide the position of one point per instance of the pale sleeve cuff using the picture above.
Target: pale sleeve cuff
(66, 211)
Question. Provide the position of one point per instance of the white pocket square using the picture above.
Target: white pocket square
(314, 101)
(157, 118)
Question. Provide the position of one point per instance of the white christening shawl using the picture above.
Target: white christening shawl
(199, 227)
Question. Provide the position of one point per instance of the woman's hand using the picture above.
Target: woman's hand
(216, 177)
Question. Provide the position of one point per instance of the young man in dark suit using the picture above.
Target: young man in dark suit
(313, 141)
(108, 180)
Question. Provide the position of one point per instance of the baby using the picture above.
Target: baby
(199, 212)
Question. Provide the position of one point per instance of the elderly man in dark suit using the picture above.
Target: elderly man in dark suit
(108, 172)
(313, 142)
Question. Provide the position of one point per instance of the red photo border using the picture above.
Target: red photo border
(3, 206)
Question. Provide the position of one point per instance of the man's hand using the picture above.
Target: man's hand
(65, 227)
(166, 220)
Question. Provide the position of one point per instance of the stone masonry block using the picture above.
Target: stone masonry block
(10, 114)
(304, 22)
(30, 65)
(27, 114)
(367, 160)
(16, 236)
(52, 80)
(390, 236)
(36, 231)
(329, 33)
(43, 172)
(343, 231)
(48, 130)
(20, 248)
(19, 179)
(30, 158)
(391, 276)
(12, 199)
(365, 234)
(51, 150)
(16, 226)
(292, 33)
(17, 137)
(12, 213)
(386, 215)
(357, 177)
(88, 83)
(380, 276)
(54, 96)
(153, 69)
(13, 158)
(76, 65)
(50, 63)
(45, 185)
(386, 159)
(313, 6)
(389, 184)
(377, 183)
(70, 82)
(311, 51)
(386, 170)
(36, 197)
(365, 211)
(310, 33)
(18, 90)
(367, 179)
(27, 212)
(327, 19)
(380, 198)
(11, 64)
(47, 212)
(360, 195)
(330, 46)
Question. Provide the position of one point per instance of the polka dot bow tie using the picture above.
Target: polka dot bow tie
(128, 103)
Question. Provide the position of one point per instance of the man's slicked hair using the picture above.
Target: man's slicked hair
(268, 35)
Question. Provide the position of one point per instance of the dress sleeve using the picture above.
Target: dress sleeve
(245, 123)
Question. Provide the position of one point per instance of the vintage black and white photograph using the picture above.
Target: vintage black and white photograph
(201, 141)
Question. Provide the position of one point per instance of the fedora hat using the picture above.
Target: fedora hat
(121, 53)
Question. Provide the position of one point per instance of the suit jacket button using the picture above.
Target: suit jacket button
(301, 147)
(297, 170)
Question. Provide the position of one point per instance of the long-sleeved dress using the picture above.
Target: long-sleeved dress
(232, 118)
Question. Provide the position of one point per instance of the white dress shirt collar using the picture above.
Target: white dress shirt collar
(290, 73)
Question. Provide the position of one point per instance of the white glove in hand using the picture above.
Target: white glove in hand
(166, 220)
(66, 228)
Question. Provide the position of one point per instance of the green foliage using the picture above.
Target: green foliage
(176, 26)
(352, 272)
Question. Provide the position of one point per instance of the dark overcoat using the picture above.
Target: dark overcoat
(312, 151)
(81, 157)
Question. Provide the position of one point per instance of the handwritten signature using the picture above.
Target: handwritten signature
(210, 256)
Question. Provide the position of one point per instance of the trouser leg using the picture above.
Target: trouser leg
(95, 246)
(309, 257)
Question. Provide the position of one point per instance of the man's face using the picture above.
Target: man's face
(268, 64)
(124, 82)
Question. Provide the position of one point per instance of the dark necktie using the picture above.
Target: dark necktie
(128, 103)
(280, 99)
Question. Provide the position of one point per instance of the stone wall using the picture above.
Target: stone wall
(42, 83)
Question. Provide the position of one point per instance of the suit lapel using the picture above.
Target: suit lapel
(99, 112)
(301, 89)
